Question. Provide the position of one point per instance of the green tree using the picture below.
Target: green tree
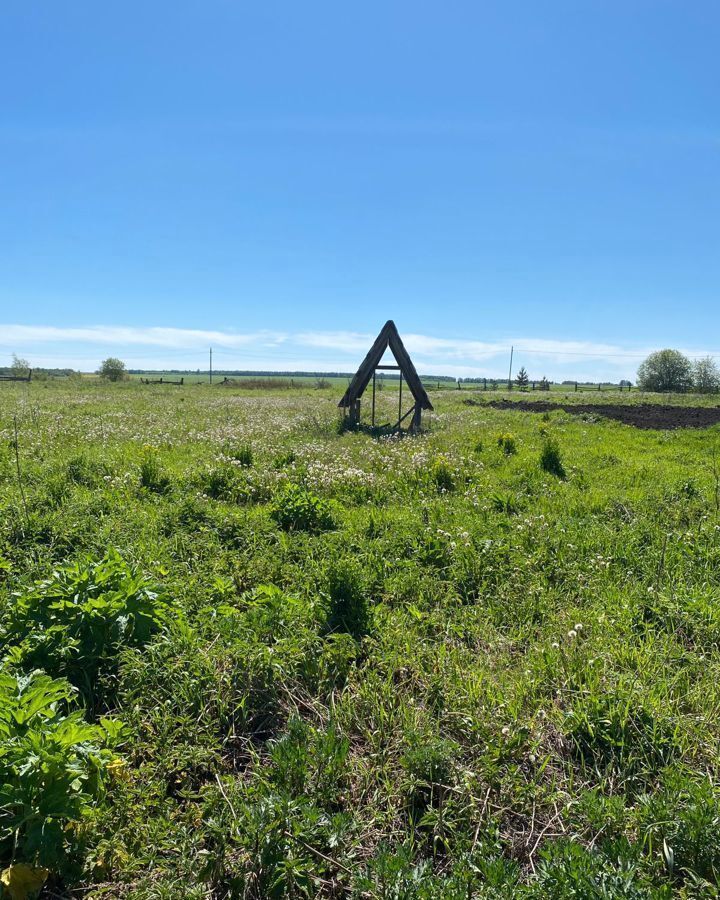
(665, 371)
(20, 367)
(522, 379)
(112, 369)
(706, 376)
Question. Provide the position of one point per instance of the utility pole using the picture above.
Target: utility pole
(510, 373)
(211, 365)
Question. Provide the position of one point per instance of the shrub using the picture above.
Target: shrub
(20, 367)
(113, 369)
(297, 509)
(52, 767)
(551, 458)
(507, 443)
(664, 371)
(74, 623)
(706, 376)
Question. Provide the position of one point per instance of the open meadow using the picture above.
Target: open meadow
(247, 654)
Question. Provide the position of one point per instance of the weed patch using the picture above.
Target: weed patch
(295, 508)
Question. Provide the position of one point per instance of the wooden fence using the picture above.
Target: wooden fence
(160, 381)
(27, 377)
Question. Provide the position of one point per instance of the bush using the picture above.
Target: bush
(20, 367)
(507, 443)
(297, 509)
(52, 766)
(665, 371)
(706, 377)
(75, 623)
(550, 457)
(112, 369)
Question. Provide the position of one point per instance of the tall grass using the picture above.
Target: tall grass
(481, 662)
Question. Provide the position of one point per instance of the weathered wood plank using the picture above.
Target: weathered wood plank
(388, 337)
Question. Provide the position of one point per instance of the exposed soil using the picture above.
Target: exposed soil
(640, 415)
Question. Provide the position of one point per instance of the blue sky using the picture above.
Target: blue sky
(277, 179)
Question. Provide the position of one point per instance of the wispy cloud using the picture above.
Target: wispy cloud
(177, 338)
(159, 347)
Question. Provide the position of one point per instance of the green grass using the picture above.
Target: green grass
(285, 660)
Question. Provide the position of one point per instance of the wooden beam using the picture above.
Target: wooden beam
(388, 337)
(402, 418)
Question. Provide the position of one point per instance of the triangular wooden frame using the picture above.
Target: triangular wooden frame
(388, 337)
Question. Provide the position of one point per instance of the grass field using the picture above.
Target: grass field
(246, 654)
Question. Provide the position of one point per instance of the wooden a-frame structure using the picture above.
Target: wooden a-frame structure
(350, 402)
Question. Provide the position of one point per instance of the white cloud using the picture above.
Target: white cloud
(345, 341)
(160, 347)
(177, 338)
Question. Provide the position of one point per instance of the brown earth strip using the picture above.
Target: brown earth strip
(640, 415)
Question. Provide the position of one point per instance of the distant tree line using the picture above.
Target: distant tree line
(20, 368)
(663, 371)
(260, 373)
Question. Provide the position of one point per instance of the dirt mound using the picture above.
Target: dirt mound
(640, 415)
